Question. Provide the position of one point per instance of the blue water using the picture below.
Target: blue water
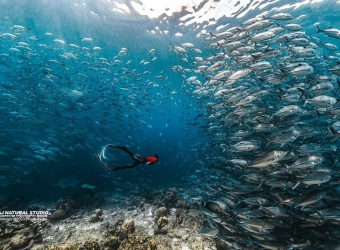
(148, 119)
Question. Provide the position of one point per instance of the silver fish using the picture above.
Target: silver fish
(267, 159)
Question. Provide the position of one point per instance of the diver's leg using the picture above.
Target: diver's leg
(125, 167)
(124, 148)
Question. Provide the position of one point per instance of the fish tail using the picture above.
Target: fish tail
(269, 142)
(260, 183)
(287, 167)
(318, 114)
(318, 31)
(304, 93)
(334, 132)
(237, 62)
(212, 35)
(260, 205)
(282, 90)
(238, 203)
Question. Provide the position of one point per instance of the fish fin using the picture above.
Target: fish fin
(296, 185)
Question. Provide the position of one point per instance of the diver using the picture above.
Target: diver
(138, 159)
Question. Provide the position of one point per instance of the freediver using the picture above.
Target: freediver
(138, 159)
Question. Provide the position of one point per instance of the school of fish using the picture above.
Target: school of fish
(271, 93)
(54, 92)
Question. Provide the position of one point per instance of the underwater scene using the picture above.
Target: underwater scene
(174, 124)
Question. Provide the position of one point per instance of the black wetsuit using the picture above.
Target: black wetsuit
(138, 159)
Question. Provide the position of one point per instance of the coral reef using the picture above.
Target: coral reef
(93, 245)
(138, 241)
(20, 235)
(121, 224)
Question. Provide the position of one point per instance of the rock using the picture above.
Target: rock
(127, 228)
(185, 236)
(74, 217)
(56, 215)
(97, 216)
(19, 240)
(113, 243)
(162, 226)
(98, 212)
(178, 234)
(162, 221)
(134, 213)
(91, 246)
(23, 239)
(94, 218)
(162, 211)
(170, 198)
